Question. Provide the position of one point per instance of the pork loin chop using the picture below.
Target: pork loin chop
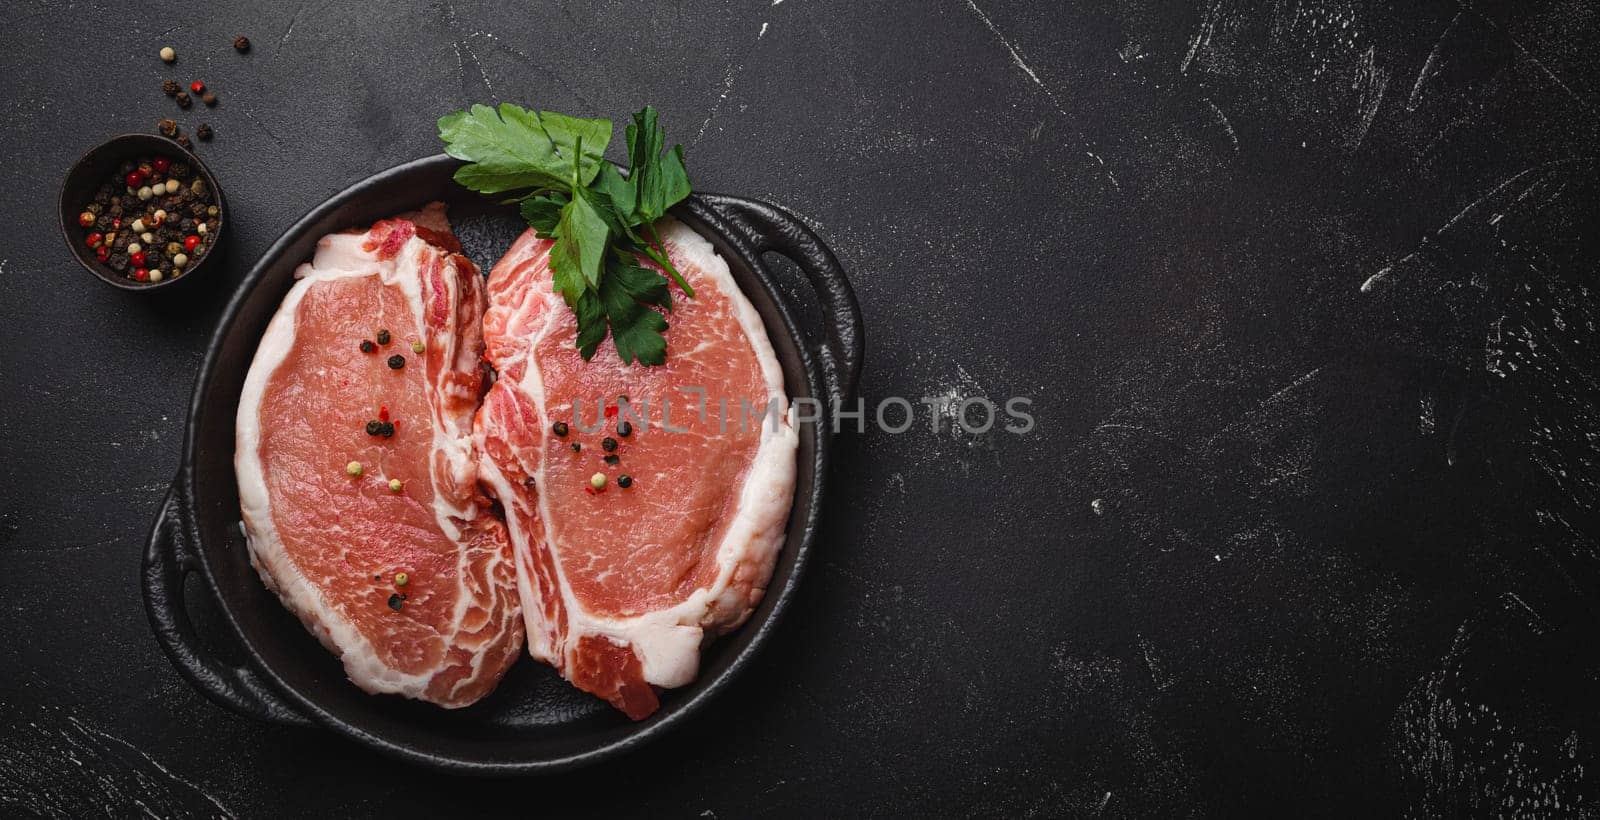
(331, 544)
(621, 586)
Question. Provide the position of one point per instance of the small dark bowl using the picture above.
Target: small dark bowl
(97, 166)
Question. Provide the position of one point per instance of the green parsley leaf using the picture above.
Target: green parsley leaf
(591, 324)
(601, 222)
(638, 281)
(543, 212)
(584, 232)
(635, 329)
(660, 180)
(578, 139)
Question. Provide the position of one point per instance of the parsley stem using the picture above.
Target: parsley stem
(663, 261)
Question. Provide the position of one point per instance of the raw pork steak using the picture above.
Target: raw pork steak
(330, 544)
(620, 587)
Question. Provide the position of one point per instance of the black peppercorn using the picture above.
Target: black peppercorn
(576, 447)
(624, 481)
(209, 98)
(624, 429)
(241, 44)
(170, 88)
(559, 428)
(383, 336)
(397, 601)
(397, 361)
(168, 128)
(608, 444)
(183, 139)
(203, 132)
(183, 99)
(367, 346)
(613, 459)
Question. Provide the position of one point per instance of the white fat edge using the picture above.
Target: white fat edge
(540, 648)
(532, 386)
(668, 641)
(448, 438)
(359, 656)
(540, 643)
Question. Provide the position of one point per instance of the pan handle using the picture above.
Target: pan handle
(769, 227)
(168, 559)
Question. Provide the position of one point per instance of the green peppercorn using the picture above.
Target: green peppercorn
(397, 361)
(608, 444)
(624, 481)
(383, 336)
(417, 348)
(559, 428)
(598, 481)
(401, 579)
(353, 468)
(396, 485)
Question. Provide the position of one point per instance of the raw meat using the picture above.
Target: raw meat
(330, 544)
(621, 587)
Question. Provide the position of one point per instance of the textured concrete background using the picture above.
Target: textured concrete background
(1304, 292)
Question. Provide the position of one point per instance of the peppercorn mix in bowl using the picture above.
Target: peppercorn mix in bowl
(140, 212)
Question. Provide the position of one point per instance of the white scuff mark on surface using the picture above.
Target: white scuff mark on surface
(1387, 272)
(1292, 386)
(1109, 175)
(1370, 81)
(1430, 66)
(1202, 35)
(1227, 127)
(482, 72)
(1016, 56)
(727, 88)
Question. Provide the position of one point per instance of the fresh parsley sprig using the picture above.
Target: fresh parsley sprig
(554, 166)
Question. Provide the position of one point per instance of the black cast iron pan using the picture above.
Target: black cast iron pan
(534, 721)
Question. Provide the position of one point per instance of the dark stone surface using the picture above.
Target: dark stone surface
(1304, 294)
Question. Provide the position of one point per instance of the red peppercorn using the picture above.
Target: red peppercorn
(190, 242)
(116, 222)
(197, 87)
(86, 219)
(161, 164)
(93, 239)
(102, 253)
(141, 274)
(134, 179)
(137, 259)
